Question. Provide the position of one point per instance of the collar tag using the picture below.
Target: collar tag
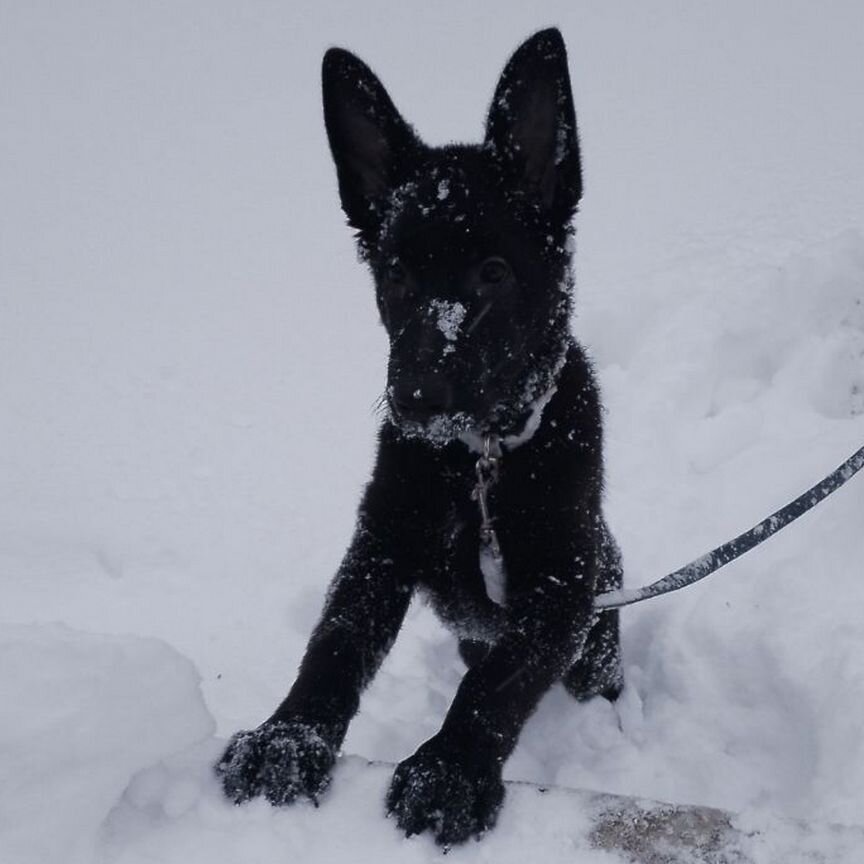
(491, 559)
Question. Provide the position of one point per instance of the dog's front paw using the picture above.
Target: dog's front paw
(453, 796)
(282, 760)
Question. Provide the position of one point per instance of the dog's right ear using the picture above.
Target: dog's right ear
(369, 139)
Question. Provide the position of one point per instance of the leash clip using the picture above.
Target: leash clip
(487, 469)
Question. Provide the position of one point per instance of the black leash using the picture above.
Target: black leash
(716, 558)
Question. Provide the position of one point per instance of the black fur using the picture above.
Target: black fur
(469, 249)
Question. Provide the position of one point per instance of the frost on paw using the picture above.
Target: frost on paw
(454, 799)
(282, 760)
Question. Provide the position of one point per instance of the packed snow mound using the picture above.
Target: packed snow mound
(735, 398)
(175, 813)
(80, 714)
(802, 331)
(117, 767)
(730, 338)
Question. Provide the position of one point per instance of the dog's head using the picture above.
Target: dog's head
(468, 244)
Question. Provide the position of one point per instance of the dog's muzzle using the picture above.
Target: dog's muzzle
(418, 399)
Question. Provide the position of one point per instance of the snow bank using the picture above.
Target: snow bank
(175, 813)
(79, 715)
(116, 767)
(749, 684)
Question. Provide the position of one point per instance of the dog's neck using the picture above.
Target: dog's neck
(475, 440)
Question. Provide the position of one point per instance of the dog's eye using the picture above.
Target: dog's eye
(493, 271)
(395, 272)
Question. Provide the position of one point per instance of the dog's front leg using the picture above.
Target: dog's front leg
(452, 785)
(292, 753)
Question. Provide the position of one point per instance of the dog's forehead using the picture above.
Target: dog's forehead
(453, 203)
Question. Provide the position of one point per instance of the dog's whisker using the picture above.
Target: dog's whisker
(380, 408)
(478, 318)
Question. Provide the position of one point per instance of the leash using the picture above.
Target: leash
(706, 564)
(492, 562)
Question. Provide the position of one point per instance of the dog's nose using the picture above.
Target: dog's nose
(421, 398)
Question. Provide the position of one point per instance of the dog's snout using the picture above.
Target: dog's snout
(421, 397)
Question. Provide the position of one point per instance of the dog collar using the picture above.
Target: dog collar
(488, 446)
(476, 441)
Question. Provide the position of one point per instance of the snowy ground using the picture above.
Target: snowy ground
(181, 313)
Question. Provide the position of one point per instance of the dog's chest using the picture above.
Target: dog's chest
(455, 583)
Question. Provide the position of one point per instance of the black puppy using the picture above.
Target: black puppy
(486, 494)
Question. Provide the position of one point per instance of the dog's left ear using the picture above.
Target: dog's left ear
(368, 137)
(532, 125)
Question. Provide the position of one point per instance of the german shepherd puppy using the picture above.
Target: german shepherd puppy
(486, 492)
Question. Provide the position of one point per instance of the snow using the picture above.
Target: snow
(75, 729)
(449, 316)
(190, 357)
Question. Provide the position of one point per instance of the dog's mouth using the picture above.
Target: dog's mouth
(439, 426)
(428, 414)
(439, 429)
(436, 415)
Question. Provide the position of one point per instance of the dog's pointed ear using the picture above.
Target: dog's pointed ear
(532, 125)
(368, 137)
